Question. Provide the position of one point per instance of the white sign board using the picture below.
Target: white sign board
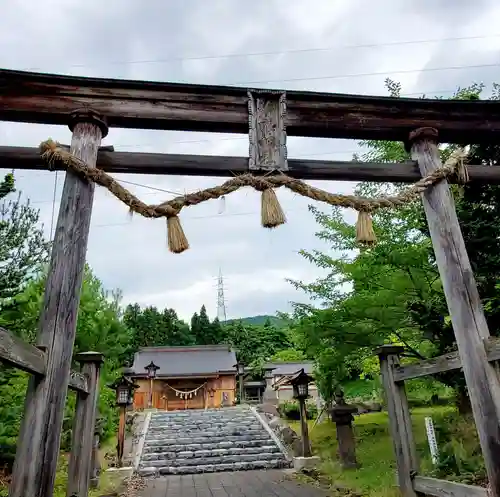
(431, 438)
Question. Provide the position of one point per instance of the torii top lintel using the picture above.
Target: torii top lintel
(50, 99)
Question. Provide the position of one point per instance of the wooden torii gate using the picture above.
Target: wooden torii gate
(89, 106)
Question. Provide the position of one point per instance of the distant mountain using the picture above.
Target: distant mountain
(259, 320)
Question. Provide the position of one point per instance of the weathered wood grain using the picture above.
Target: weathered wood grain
(464, 304)
(212, 165)
(39, 440)
(446, 362)
(443, 488)
(82, 441)
(399, 419)
(267, 132)
(31, 359)
(22, 355)
(120, 444)
(46, 98)
(78, 382)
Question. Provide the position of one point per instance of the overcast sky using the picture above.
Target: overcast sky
(345, 46)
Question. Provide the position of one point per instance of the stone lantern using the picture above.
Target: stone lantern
(342, 415)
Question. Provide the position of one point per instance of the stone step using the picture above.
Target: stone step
(190, 459)
(206, 468)
(155, 447)
(202, 421)
(202, 415)
(169, 440)
(206, 441)
(209, 452)
(191, 413)
(203, 424)
(189, 432)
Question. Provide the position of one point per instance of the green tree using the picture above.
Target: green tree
(289, 355)
(392, 292)
(23, 251)
(206, 332)
(256, 344)
(22, 246)
(201, 327)
(151, 328)
(99, 328)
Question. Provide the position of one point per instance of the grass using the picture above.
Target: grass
(377, 475)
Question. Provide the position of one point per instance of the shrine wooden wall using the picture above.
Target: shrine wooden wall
(165, 398)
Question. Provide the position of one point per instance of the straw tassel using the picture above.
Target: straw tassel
(272, 214)
(462, 172)
(177, 241)
(364, 229)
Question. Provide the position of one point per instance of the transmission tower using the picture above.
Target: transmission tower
(221, 302)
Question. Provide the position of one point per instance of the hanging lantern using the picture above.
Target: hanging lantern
(151, 369)
(300, 383)
(124, 388)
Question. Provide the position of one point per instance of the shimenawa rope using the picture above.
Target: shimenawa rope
(186, 394)
(272, 214)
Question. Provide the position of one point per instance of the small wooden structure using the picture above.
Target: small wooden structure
(185, 377)
(89, 105)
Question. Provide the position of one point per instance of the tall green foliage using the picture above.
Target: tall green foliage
(204, 331)
(99, 328)
(256, 344)
(23, 251)
(392, 292)
(150, 327)
(22, 245)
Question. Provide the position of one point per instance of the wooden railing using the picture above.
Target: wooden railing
(31, 359)
(394, 376)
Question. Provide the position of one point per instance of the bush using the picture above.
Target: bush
(290, 410)
(460, 457)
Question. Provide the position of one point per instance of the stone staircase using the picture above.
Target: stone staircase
(207, 441)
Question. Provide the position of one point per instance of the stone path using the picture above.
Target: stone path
(270, 483)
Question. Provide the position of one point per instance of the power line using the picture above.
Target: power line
(149, 187)
(362, 75)
(282, 52)
(210, 216)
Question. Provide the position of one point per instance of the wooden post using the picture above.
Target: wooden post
(304, 429)
(464, 304)
(82, 441)
(121, 436)
(95, 468)
(150, 401)
(399, 419)
(242, 393)
(40, 434)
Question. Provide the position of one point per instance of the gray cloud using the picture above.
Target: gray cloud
(180, 41)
